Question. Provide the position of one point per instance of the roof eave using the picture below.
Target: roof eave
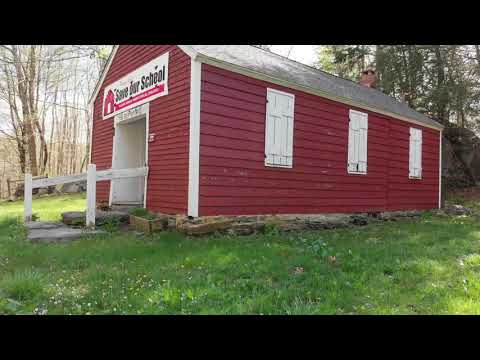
(101, 79)
(195, 55)
(187, 49)
(262, 76)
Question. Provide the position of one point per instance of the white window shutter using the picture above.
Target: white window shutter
(352, 153)
(279, 129)
(418, 153)
(270, 129)
(281, 124)
(415, 153)
(289, 115)
(363, 141)
(411, 157)
(357, 142)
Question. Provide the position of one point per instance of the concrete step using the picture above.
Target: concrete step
(43, 225)
(48, 232)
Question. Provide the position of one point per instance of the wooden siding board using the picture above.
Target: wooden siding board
(234, 179)
(169, 119)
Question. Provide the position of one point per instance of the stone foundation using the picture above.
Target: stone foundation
(251, 224)
(247, 225)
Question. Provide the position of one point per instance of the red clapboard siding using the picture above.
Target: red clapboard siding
(404, 193)
(169, 119)
(234, 179)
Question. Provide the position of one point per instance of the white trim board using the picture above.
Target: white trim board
(187, 49)
(440, 169)
(261, 76)
(194, 142)
(147, 151)
(194, 125)
(144, 113)
(92, 119)
(194, 55)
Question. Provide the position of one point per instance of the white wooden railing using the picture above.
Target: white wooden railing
(92, 176)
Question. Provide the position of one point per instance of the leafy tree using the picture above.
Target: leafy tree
(346, 61)
(442, 81)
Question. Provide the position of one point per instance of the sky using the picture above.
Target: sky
(302, 53)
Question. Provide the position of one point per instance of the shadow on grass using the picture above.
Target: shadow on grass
(386, 268)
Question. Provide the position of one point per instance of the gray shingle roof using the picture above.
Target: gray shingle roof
(277, 66)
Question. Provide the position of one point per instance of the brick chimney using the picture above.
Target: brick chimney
(368, 78)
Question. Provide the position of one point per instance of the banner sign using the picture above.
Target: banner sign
(145, 84)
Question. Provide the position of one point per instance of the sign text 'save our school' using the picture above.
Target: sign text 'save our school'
(142, 85)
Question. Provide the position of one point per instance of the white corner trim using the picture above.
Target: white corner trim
(92, 119)
(194, 148)
(147, 151)
(440, 170)
(113, 166)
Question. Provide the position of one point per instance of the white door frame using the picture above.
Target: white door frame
(123, 118)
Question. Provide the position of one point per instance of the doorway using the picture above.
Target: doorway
(129, 151)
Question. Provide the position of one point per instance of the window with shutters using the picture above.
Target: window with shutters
(357, 143)
(415, 157)
(279, 129)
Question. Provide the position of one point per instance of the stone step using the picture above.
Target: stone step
(78, 217)
(48, 232)
(43, 225)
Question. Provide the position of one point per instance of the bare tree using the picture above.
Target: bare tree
(44, 112)
(21, 70)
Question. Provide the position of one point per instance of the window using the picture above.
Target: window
(415, 157)
(357, 143)
(279, 129)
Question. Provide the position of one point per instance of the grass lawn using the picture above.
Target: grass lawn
(427, 267)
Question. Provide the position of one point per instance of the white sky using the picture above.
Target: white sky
(302, 53)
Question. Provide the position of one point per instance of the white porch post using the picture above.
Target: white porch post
(91, 195)
(27, 202)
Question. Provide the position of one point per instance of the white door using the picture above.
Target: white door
(129, 151)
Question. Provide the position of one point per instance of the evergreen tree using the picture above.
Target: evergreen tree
(442, 81)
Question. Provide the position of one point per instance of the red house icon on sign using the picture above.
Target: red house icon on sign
(109, 106)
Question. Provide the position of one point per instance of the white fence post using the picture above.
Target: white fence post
(27, 198)
(91, 195)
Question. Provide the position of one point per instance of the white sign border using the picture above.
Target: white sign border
(144, 101)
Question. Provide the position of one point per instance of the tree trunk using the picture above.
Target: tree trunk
(442, 99)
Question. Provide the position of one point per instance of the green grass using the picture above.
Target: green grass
(143, 213)
(431, 266)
